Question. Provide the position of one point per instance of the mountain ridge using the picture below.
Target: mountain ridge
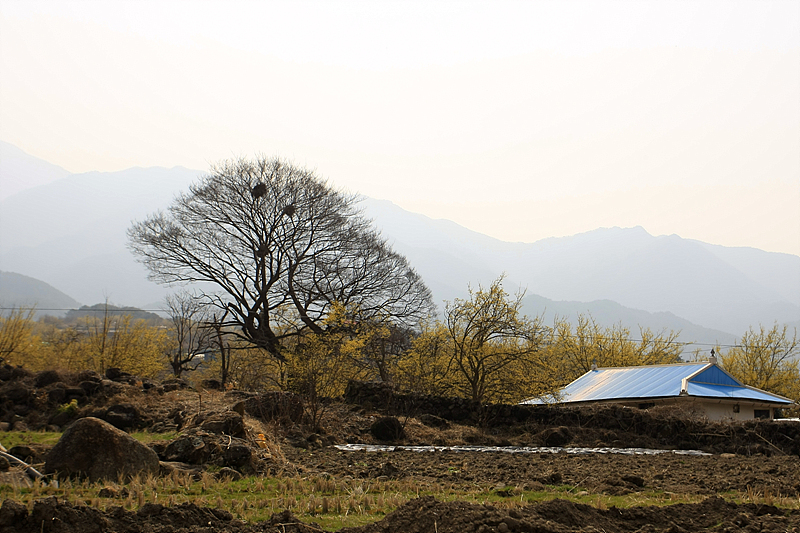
(71, 233)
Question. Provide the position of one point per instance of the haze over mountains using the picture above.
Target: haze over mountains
(69, 231)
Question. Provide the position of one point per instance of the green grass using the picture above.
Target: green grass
(10, 439)
(145, 437)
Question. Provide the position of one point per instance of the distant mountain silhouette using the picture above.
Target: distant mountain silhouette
(607, 314)
(71, 233)
(20, 171)
(98, 310)
(724, 289)
(18, 291)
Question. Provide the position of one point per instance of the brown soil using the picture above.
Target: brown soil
(418, 516)
(556, 516)
(759, 456)
(609, 474)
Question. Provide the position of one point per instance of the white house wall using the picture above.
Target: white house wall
(712, 409)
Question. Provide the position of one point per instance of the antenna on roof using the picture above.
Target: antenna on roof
(713, 358)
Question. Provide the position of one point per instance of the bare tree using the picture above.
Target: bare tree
(221, 345)
(281, 247)
(190, 336)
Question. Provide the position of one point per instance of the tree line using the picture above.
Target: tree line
(482, 348)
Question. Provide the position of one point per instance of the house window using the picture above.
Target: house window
(736, 408)
(761, 413)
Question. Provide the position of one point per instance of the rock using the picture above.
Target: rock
(20, 426)
(57, 394)
(95, 449)
(90, 388)
(89, 375)
(149, 386)
(376, 394)
(225, 423)
(172, 384)
(45, 378)
(189, 448)
(168, 467)
(62, 418)
(237, 455)
(434, 421)
(115, 374)
(74, 393)
(387, 429)
(24, 453)
(163, 427)
(122, 416)
(4, 464)
(112, 388)
(278, 406)
(19, 394)
(555, 436)
(11, 373)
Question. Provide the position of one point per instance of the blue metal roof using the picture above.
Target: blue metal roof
(739, 393)
(705, 380)
(714, 375)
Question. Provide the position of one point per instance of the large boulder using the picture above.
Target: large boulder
(94, 449)
(222, 423)
(387, 429)
(123, 416)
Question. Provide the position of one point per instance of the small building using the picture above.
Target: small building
(704, 387)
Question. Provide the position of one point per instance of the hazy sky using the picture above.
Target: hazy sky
(521, 120)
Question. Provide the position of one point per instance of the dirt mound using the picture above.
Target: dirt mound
(557, 516)
(419, 516)
(55, 516)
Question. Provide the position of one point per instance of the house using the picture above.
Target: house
(704, 387)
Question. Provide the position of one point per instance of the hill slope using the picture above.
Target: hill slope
(71, 233)
(20, 171)
(17, 290)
